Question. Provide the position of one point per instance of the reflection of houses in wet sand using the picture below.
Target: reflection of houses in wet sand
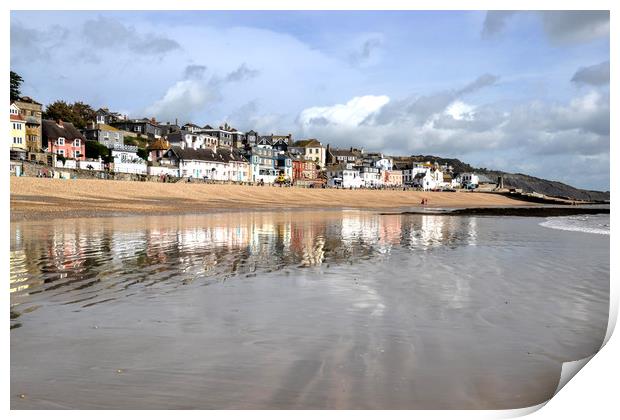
(308, 242)
(19, 273)
(390, 229)
(67, 249)
(360, 226)
(157, 238)
(432, 231)
(262, 237)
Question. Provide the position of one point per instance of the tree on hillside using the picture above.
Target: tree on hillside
(95, 150)
(16, 82)
(84, 113)
(78, 113)
(59, 110)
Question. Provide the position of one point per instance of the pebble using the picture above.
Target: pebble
(22, 396)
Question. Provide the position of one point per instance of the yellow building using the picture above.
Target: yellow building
(17, 134)
(32, 111)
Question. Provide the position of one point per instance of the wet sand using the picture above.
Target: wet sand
(33, 198)
(306, 310)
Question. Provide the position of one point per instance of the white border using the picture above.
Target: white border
(593, 394)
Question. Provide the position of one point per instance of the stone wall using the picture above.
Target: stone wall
(35, 169)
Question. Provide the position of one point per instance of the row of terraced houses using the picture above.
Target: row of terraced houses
(215, 153)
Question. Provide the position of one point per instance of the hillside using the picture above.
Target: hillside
(525, 182)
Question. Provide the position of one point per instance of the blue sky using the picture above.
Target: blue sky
(525, 92)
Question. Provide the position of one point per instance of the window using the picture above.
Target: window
(100, 119)
(60, 141)
(18, 140)
(137, 128)
(61, 152)
(77, 143)
(17, 126)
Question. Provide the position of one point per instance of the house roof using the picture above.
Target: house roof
(339, 167)
(16, 117)
(28, 99)
(159, 144)
(343, 152)
(176, 136)
(106, 127)
(401, 165)
(307, 143)
(51, 130)
(208, 155)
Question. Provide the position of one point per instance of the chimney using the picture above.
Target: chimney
(59, 121)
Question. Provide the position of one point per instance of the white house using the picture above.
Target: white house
(192, 139)
(469, 180)
(263, 162)
(125, 159)
(429, 179)
(384, 163)
(219, 164)
(371, 176)
(344, 175)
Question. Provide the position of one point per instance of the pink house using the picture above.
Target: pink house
(62, 138)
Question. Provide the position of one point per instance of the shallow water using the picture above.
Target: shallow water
(589, 223)
(300, 310)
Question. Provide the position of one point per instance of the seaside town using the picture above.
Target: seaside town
(113, 146)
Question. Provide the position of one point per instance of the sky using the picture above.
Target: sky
(519, 91)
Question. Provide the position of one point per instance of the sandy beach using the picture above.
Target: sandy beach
(32, 197)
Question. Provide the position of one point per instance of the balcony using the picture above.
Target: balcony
(123, 147)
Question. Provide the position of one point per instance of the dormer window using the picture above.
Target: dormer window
(60, 141)
(77, 143)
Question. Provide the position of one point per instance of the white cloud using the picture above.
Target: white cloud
(184, 99)
(459, 110)
(351, 114)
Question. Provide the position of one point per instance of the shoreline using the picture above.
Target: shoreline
(542, 211)
(37, 198)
